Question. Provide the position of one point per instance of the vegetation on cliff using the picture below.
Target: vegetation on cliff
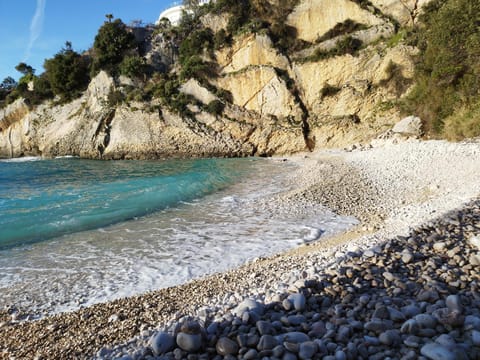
(445, 95)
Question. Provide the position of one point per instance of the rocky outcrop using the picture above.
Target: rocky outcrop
(261, 89)
(89, 127)
(192, 87)
(403, 11)
(248, 51)
(313, 18)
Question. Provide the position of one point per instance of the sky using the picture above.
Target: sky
(34, 30)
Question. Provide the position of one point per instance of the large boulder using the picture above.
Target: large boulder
(409, 126)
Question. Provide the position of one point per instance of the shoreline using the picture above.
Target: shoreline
(351, 183)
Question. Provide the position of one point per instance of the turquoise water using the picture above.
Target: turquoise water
(44, 199)
(75, 232)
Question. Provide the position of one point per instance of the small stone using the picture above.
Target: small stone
(453, 303)
(437, 352)
(293, 337)
(364, 299)
(287, 304)
(390, 338)
(395, 315)
(266, 342)
(298, 300)
(410, 311)
(368, 253)
(428, 295)
(307, 350)
(376, 325)
(249, 305)
(289, 356)
(407, 257)
(264, 327)
(296, 320)
(189, 342)
(474, 259)
(388, 276)
(439, 246)
(162, 343)
(340, 355)
(445, 340)
(426, 321)
(250, 354)
(291, 347)
(412, 341)
(447, 317)
(475, 241)
(225, 346)
(410, 327)
(278, 351)
(381, 313)
(472, 322)
(475, 337)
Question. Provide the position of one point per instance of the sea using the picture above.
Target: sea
(76, 232)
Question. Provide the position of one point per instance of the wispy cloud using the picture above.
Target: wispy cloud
(36, 26)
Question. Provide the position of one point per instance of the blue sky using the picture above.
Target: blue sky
(34, 30)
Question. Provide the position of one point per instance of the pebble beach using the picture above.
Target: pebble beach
(403, 284)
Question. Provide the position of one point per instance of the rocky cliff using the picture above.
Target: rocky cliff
(280, 102)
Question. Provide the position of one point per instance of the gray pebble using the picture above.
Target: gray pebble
(226, 346)
(307, 350)
(266, 342)
(162, 343)
(189, 342)
(437, 352)
(298, 300)
(453, 303)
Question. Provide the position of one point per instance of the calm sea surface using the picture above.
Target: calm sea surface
(76, 232)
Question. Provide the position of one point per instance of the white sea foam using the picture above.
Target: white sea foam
(22, 159)
(168, 248)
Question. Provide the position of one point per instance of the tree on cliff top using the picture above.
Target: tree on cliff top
(112, 43)
(67, 73)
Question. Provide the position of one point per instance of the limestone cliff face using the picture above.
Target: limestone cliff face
(313, 18)
(248, 51)
(90, 128)
(280, 103)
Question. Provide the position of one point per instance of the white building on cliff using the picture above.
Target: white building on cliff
(174, 12)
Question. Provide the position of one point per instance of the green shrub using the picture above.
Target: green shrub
(343, 28)
(133, 66)
(448, 75)
(329, 90)
(463, 123)
(347, 45)
(215, 107)
(67, 73)
(115, 98)
(112, 42)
